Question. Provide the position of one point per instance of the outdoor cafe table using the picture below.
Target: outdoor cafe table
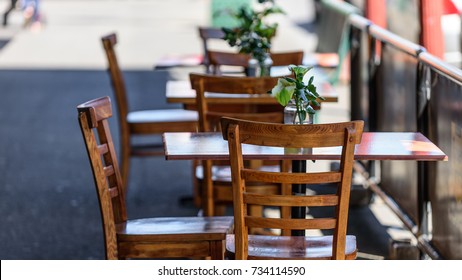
(374, 146)
(181, 92)
(412, 146)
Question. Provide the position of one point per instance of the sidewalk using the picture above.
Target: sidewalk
(148, 29)
(47, 195)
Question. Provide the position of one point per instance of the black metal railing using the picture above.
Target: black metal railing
(397, 86)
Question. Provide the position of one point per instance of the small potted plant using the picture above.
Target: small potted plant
(253, 36)
(298, 97)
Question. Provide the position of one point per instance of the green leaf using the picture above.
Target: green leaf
(299, 71)
(310, 110)
(289, 79)
(253, 35)
(310, 95)
(299, 92)
(273, 10)
(311, 88)
(277, 10)
(283, 91)
(285, 96)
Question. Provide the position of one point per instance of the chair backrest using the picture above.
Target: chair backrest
(287, 58)
(117, 80)
(93, 118)
(345, 135)
(209, 114)
(206, 34)
(217, 59)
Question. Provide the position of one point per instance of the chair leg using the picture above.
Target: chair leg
(286, 211)
(125, 163)
(207, 189)
(217, 249)
(197, 190)
(286, 189)
(219, 209)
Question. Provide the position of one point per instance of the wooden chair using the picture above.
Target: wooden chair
(335, 246)
(213, 181)
(218, 59)
(141, 238)
(146, 122)
(206, 34)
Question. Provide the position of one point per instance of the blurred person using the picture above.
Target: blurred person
(8, 11)
(31, 11)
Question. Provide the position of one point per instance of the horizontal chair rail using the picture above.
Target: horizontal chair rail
(285, 177)
(297, 224)
(290, 200)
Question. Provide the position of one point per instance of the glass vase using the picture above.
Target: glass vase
(265, 67)
(252, 69)
(291, 115)
(259, 69)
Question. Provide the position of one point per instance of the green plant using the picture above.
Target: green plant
(304, 94)
(252, 35)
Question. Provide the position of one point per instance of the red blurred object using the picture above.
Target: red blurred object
(376, 12)
(449, 8)
(432, 35)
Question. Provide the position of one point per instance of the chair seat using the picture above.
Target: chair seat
(175, 229)
(159, 116)
(285, 247)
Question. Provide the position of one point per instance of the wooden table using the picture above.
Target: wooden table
(181, 91)
(374, 146)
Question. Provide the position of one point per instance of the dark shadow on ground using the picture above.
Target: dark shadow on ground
(371, 236)
(48, 200)
(3, 43)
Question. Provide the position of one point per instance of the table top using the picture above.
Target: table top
(181, 92)
(374, 146)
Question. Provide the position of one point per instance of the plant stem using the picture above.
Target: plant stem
(298, 112)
